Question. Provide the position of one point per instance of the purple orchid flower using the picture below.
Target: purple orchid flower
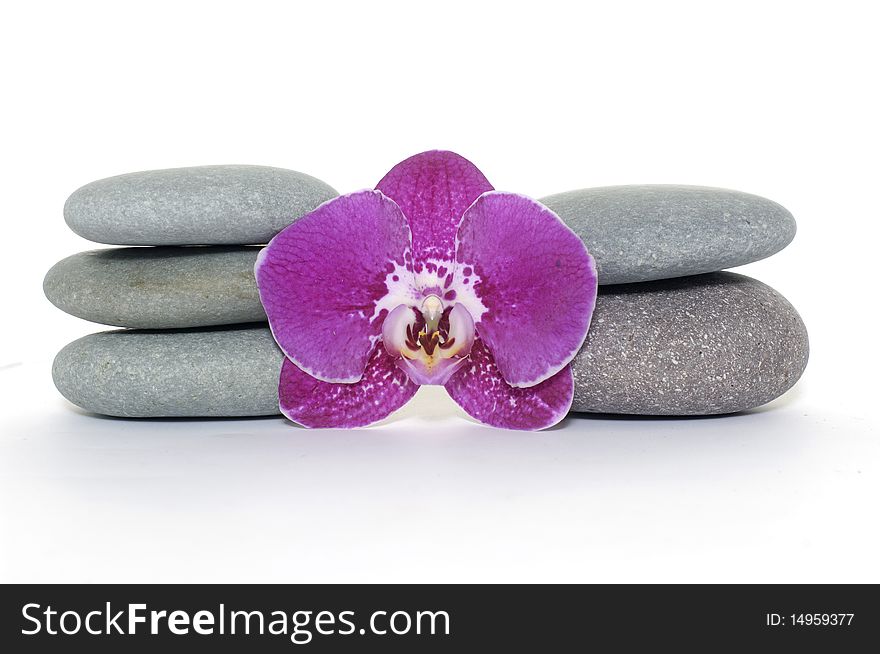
(432, 278)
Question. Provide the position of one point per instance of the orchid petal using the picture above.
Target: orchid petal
(481, 391)
(535, 280)
(328, 280)
(433, 189)
(310, 402)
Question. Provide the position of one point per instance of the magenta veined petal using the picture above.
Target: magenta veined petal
(433, 189)
(328, 280)
(536, 281)
(481, 391)
(310, 402)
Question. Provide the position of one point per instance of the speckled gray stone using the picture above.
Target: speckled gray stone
(204, 205)
(709, 344)
(157, 288)
(188, 373)
(642, 233)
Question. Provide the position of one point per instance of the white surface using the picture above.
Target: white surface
(776, 99)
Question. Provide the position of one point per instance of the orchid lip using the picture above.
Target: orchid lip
(431, 341)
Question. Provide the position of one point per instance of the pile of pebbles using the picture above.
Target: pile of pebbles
(671, 334)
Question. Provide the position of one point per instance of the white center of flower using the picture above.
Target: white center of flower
(432, 342)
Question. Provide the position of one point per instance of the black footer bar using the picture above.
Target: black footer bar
(429, 618)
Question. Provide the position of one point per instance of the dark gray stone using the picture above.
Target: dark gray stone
(204, 205)
(709, 344)
(643, 233)
(157, 288)
(185, 373)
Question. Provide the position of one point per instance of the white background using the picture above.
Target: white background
(778, 99)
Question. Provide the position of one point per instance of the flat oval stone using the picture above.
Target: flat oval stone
(709, 344)
(186, 373)
(648, 232)
(203, 205)
(158, 288)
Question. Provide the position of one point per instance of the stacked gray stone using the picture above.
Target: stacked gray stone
(195, 341)
(671, 335)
